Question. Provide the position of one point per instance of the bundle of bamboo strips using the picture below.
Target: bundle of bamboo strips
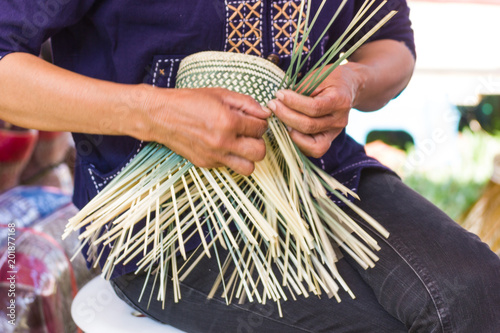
(279, 219)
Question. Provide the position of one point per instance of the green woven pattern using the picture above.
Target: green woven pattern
(241, 73)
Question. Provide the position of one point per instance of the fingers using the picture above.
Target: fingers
(300, 121)
(250, 126)
(239, 164)
(241, 161)
(250, 118)
(227, 133)
(251, 123)
(246, 104)
(243, 155)
(314, 145)
(239, 154)
(250, 149)
(317, 106)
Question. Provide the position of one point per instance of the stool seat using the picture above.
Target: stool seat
(96, 308)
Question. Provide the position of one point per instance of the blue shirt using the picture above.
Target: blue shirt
(131, 41)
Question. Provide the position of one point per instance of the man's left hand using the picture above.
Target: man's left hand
(315, 121)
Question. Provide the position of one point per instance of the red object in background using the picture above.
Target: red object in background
(50, 151)
(31, 157)
(16, 145)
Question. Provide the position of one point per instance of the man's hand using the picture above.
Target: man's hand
(375, 73)
(315, 121)
(211, 127)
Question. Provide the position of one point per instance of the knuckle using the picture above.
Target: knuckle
(249, 99)
(316, 153)
(201, 162)
(337, 124)
(338, 121)
(320, 149)
(260, 152)
(315, 108)
(223, 128)
(216, 141)
(247, 170)
(346, 103)
(309, 126)
(226, 122)
(344, 122)
(262, 128)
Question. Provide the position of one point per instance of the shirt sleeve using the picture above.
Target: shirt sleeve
(26, 24)
(397, 28)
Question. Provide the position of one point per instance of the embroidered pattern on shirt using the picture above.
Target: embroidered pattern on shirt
(100, 182)
(165, 69)
(284, 27)
(244, 26)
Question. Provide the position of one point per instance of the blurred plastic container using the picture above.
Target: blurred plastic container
(36, 274)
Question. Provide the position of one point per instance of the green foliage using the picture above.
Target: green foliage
(455, 189)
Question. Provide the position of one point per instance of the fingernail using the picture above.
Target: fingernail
(266, 110)
(271, 105)
(289, 128)
(280, 95)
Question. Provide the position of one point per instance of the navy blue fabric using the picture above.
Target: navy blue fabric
(131, 41)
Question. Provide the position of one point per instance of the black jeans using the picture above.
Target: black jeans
(432, 276)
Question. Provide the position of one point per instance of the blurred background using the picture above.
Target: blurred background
(441, 135)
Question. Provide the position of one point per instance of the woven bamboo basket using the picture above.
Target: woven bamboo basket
(246, 74)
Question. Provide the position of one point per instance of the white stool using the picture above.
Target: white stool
(96, 308)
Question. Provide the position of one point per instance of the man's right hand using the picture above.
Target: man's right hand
(211, 127)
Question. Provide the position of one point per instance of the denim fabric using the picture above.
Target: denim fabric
(432, 276)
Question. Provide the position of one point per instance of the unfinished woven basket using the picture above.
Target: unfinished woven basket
(242, 73)
(280, 226)
(279, 219)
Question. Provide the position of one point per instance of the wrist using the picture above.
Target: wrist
(358, 77)
(141, 103)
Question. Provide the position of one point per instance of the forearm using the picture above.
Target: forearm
(211, 127)
(36, 94)
(384, 68)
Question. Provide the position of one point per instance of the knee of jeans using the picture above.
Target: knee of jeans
(470, 292)
(417, 309)
(478, 281)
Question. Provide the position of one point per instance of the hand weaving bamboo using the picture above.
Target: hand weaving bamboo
(280, 217)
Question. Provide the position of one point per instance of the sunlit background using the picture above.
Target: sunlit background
(442, 133)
